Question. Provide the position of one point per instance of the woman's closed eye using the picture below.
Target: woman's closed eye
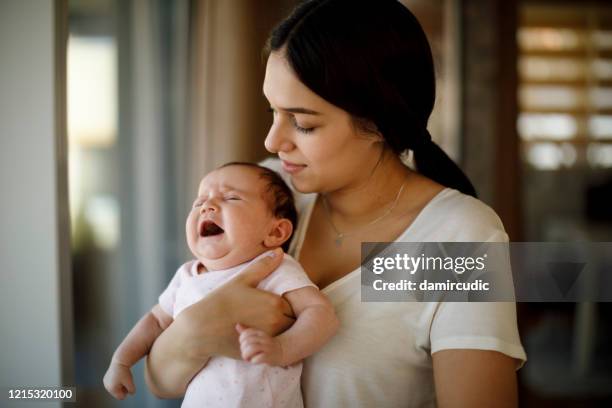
(301, 129)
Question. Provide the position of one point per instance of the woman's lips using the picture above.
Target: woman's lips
(292, 168)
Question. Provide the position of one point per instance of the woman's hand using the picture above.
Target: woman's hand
(210, 323)
(207, 328)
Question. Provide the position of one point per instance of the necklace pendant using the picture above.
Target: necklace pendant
(339, 238)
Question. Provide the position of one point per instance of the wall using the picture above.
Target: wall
(33, 248)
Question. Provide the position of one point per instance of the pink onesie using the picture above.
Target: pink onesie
(225, 382)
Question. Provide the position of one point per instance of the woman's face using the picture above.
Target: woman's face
(317, 142)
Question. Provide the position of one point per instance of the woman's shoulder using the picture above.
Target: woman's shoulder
(465, 208)
(454, 216)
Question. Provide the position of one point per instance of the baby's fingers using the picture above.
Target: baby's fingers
(249, 351)
(261, 358)
(129, 385)
(112, 386)
(251, 334)
(118, 391)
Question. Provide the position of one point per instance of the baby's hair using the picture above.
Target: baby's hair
(278, 195)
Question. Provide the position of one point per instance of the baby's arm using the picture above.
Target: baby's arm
(316, 323)
(118, 378)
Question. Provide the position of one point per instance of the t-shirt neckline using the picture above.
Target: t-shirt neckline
(304, 227)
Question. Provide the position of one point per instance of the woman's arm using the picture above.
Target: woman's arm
(169, 368)
(474, 378)
(207, 328)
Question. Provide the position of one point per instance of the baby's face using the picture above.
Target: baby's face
(230, 219)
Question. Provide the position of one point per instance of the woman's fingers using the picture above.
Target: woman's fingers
(280, 304)
(259, 270)
(210, 325)
(266, 311)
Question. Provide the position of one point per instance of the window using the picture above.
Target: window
(565, 85)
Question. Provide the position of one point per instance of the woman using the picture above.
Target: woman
(351, 86)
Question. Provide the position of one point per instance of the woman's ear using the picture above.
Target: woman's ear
(368, 129)
(279, 232)
(378, 137)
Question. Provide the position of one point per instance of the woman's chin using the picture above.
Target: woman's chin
(302, 185)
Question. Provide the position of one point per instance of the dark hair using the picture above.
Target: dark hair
(371, 59)
(277, 195)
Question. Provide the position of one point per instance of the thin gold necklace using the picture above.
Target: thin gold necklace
(341, 235)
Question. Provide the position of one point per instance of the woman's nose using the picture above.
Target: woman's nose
(276, 141)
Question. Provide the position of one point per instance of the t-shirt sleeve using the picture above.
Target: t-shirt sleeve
(478, 325)
(168, 296)
(287, 277)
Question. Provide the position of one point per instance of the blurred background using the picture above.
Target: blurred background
(157, 93)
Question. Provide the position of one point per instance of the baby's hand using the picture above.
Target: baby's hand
(258, 347)
(118, 380)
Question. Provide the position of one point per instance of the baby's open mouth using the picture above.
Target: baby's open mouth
(209, 228)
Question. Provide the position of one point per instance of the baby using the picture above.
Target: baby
(242, 212)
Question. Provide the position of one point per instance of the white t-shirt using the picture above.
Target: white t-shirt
(381, 355)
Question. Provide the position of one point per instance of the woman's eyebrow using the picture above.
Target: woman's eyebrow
(300, 110)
